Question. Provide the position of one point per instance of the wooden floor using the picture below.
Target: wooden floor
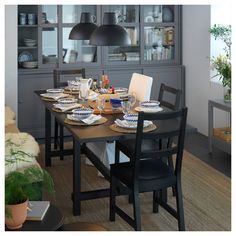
(206, 194)
(197, 144)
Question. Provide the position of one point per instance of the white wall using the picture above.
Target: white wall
(196, 58)
(11, 56)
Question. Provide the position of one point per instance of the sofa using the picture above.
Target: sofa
(21, 149)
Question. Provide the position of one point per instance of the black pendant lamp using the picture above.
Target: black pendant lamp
(84, 29)
(110, 34)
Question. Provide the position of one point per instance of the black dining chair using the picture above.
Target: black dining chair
(58, 83)
(169, 98)
(146, 170)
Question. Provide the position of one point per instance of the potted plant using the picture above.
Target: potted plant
(24, 178)
(222, 63)
(21, 186)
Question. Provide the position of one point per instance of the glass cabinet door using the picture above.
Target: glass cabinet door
(159, 32)
(49, 23)
(77, 51)
(127, 17)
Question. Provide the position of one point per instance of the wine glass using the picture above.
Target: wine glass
(101, 104)
(126, 106)
(132, 99)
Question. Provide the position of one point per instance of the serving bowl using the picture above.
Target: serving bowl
(55, 91)
(149, 104)
(66, 102)
(30, 64)
(120, 90)
(115, 103)
(131, 119)
(82, 113)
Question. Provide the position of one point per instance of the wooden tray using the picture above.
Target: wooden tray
(223, 133)
(108, 109)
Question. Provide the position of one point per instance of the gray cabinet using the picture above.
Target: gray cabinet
(170, 75)
(155, 50)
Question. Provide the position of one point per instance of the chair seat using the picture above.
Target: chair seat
(149, 170)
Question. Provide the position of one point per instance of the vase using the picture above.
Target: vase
(167, 14)
(17, 217)
(227, 94)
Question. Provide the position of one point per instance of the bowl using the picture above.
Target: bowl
(131, 119)
(120, 90)
(29, 64)
(66, 102)
(82, 113)
(149, 104)
(115, 103)
(54, 91)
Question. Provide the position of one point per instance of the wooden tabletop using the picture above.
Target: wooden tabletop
(98, 132)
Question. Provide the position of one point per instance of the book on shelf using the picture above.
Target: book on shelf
(37, 210)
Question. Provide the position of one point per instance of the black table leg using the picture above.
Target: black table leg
(47, 137)
(76, 178)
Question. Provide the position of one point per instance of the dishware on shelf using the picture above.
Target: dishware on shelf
(115, 103)
(54, 91)
(149, 104)
(22, 18)
(126, 106)
(82, 113)
(67, 102)
(25, 56)
(29, 42)
(29, 64)
(31, 18)
(100, 104)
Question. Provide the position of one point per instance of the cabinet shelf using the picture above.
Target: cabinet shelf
(27, 48)
(27, 26)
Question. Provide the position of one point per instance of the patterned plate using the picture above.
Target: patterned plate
(25, 56)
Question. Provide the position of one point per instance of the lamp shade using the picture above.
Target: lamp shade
(110, 34)
(84, 29)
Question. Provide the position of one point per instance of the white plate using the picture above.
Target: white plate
(54, 91)
(149, 104)
(149, 110)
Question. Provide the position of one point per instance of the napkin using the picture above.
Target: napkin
(53, 96)
(92, 95)
(149, 110)
(63, 108)
(91, 119)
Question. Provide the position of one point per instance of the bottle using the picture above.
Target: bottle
(94, 85)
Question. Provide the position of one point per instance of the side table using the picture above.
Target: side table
(52, 221)
(214, 141)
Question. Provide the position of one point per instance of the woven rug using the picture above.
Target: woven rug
(206, 196)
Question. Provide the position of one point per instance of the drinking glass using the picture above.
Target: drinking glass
(101, 104)
(132, 99)
(126, 106)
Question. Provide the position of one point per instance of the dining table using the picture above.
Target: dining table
(83, 135)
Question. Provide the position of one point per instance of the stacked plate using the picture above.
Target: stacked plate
(30, 42)
(149, 106)
(29, 64)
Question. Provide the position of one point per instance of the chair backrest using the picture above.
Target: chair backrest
(172, 126)
(169, 97)
(57, 74)
(141, 85)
